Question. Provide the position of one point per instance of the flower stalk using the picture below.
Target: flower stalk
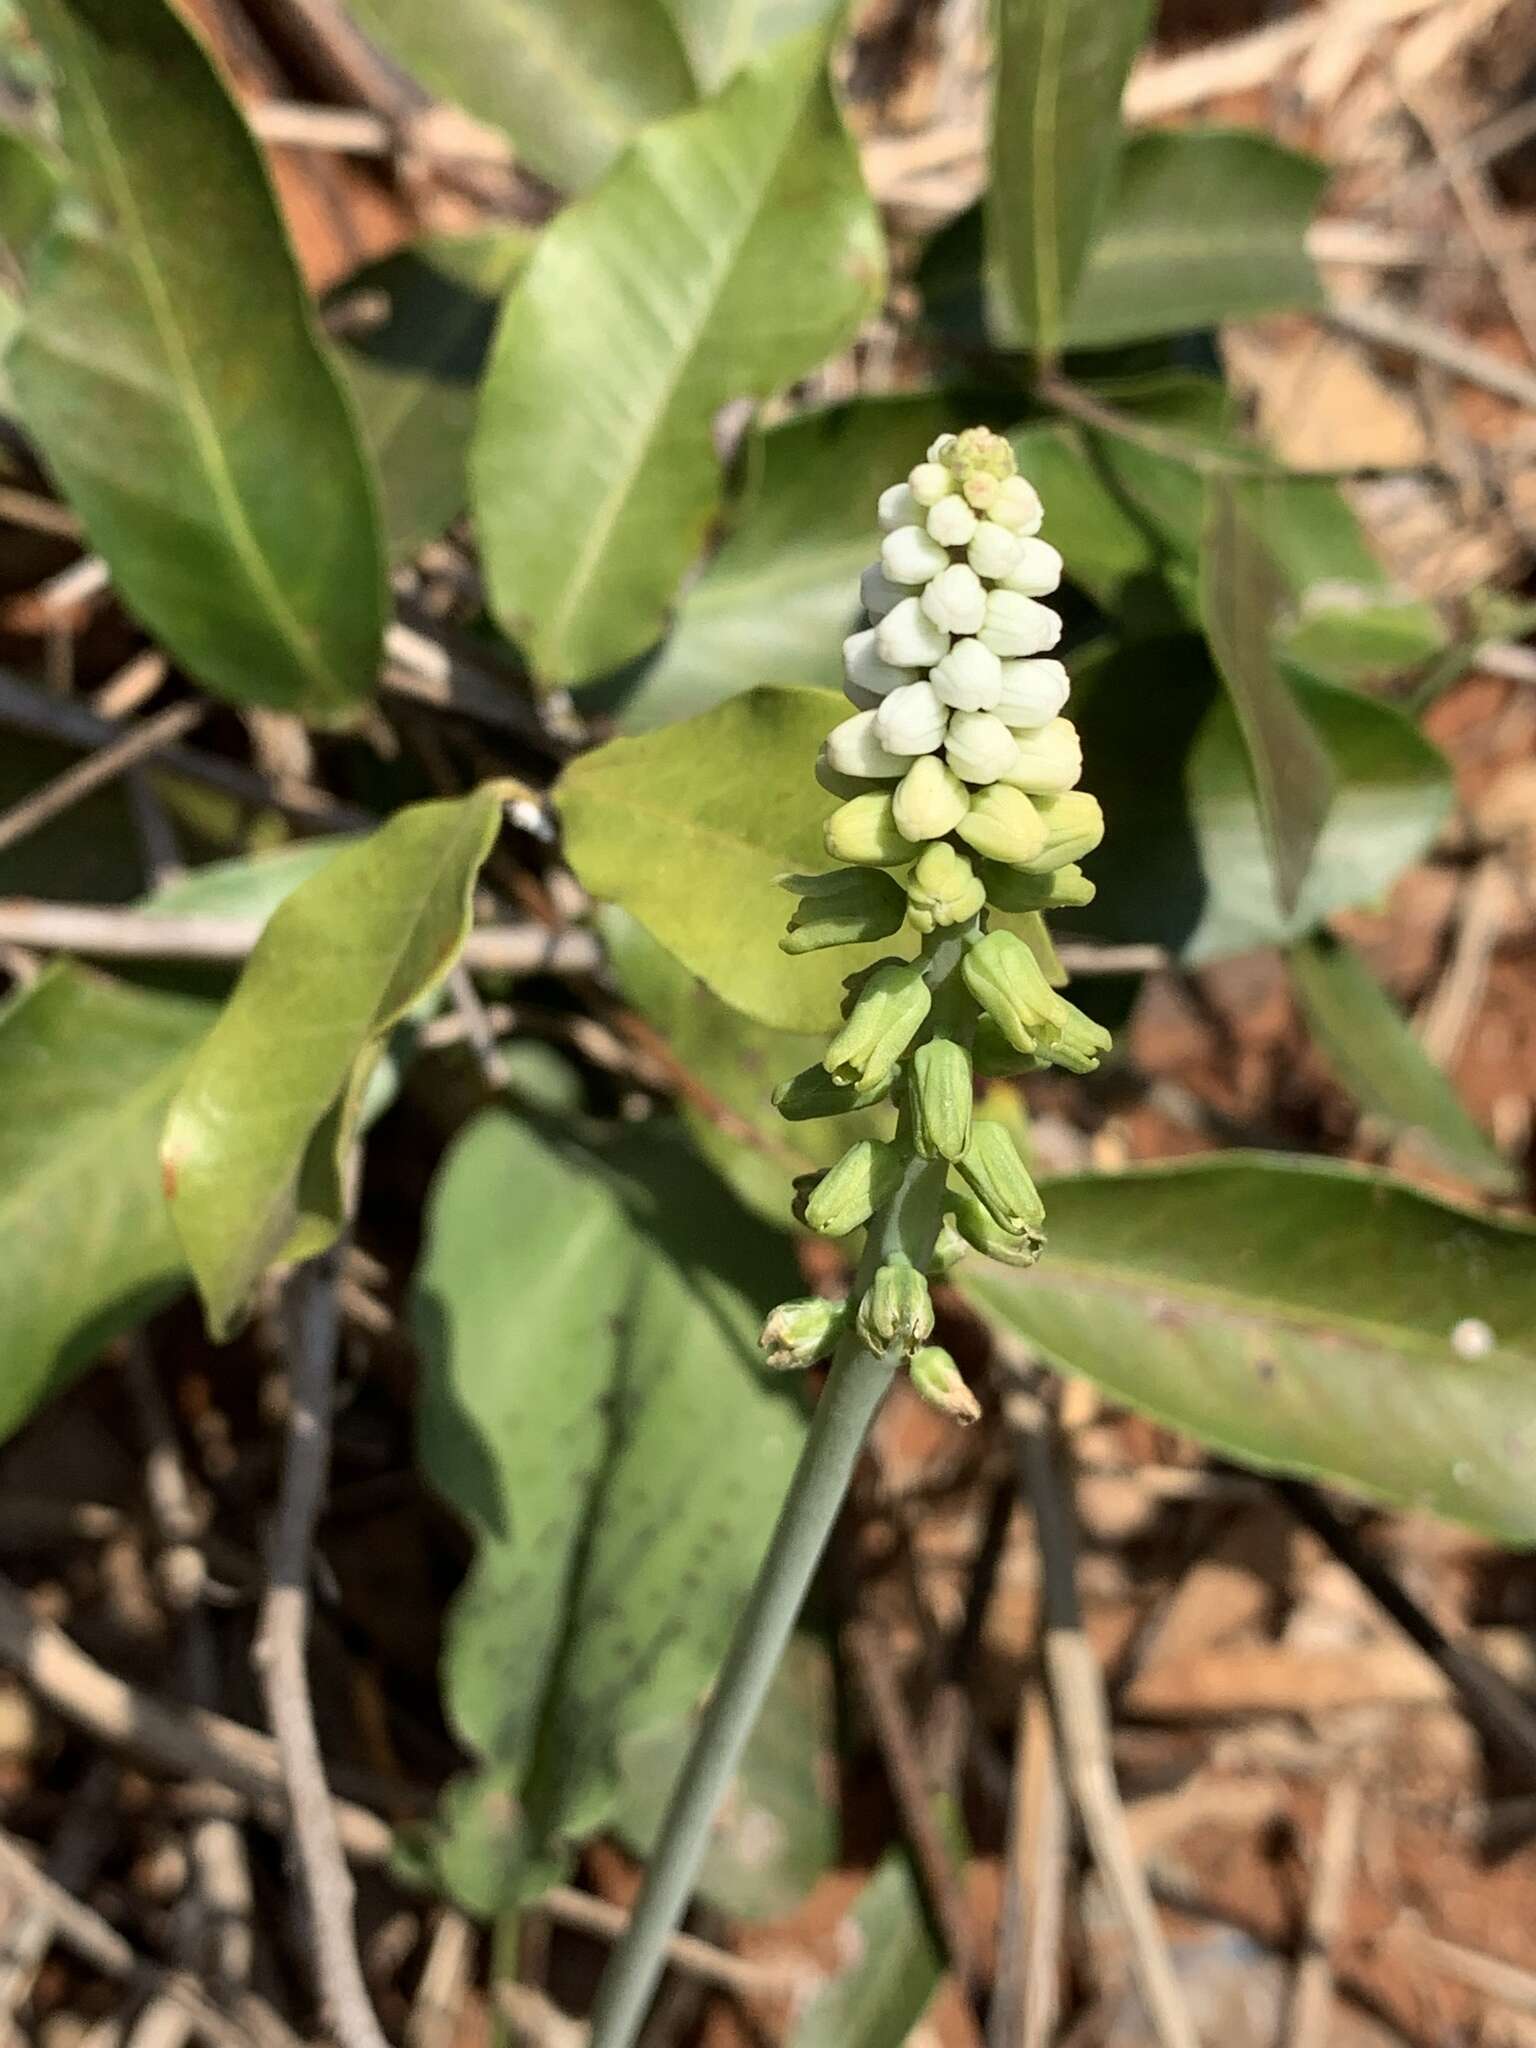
(957, 776)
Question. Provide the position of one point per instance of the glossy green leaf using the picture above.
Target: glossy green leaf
(774, 605)
(252, 886)
(1367, 1042)
(1185, 860)
(1202, 226)
(878, 1999)
(777, 1831)
(687, 828)
(87, 1066)
(571, 85)
(29, 187)
(1303, 1317)
(731, 251)
(733, 1066)
(256, 1138)
(415, 329)
(1061, 68)
(722, 35)
(1241, 592)
(593, 1409)
(184, 400)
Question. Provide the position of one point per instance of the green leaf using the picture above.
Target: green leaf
(776, 602)
(183, 400)
(882, 1994)
(1241, 591)
(1185, 860)
(1202, 226)
(572, 86)
(687, 828)
(29, 188)
(257, 1135)
(592, 1408)
(1061, 68)
(776, 1832)
(731, 251)
(416, 329)
(732, 1065)
(87, 1066)
(252, 886)
(1368, 1044)
(1299, 1316)
(722, 35)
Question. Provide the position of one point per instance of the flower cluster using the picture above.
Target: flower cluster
(958, 776)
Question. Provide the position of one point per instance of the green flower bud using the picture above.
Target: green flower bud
(993, 1056)
(979, 452)
(864, 832)
(845, 907)
(1003, 823)
(976, 1226)
(887, 1012)
(996, 1174)
(936, 1377)
(1014, 889)
(868, 1174)
(939, 1089)
(797, 1333)
(1074, 825)
(930, 800)
(1080, 1043)
(943, 888)
(813, 1092)
(896, 1308)
(1006, 979)
(949, 1248)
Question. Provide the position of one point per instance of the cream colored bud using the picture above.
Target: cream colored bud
(1074, 825)
(878, 594)
(981, 490)
(911, 720)
(1033, 693)
(1038, 570)
(907, 638)
(951, 522)
(1050, 759)
(1016, 625)
(979, 747)
(956, 599)
(897, 507)
(853, 748)
(1017, 506)
(993, 551)
(929, 482)
(930, 800)
(938, 449)
(969, 678)
(864, 669)
(911, 555)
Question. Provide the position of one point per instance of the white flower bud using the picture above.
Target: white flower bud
(1033, 693)
(912, 720)
(865, 670)
(853, 748)
(1038, 570)
(907, 638)
(1049, 760)
(937, 450)
(979, 747)
(909, 555)
(956, 599)
(993, 550)
(930, 800)
(929, 482)
(951, 522)
(1017, 506)
(969, 678)
(897, 507)
(878, 594)
(1016, 625)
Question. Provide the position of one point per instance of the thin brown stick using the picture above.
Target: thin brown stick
(281, 1651)
(1491, 1975)
(1312, 1990)
(1082, 1719)
(1027, 1999)
(151, 737)
(1376, 321)
(81, 1844)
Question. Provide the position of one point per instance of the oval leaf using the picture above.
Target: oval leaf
(722, 35)
(1299, 1316)
(256, 1136)
(184, 401)
(731, 251)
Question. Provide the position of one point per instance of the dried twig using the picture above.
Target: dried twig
(1026, 1999)
(82, 1841)
(1491, 1975)
(1390, 327)
(153, 736)
(281, 1651)
(1312, 1991)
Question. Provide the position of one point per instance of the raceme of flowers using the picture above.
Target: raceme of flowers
(958, 777)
